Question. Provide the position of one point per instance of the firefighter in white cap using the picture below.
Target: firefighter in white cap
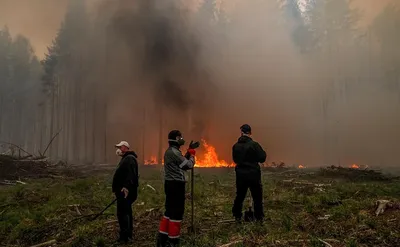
(124, 186)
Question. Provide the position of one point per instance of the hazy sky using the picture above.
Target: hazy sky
(36, 19)
(40, 19)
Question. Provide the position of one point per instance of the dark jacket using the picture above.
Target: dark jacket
(126, 175)
(175, 164)
(247, 154)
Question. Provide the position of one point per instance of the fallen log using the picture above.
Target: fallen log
(45, 243)
(231, 243)
(20, 182)
(324, 242)
(291, 241)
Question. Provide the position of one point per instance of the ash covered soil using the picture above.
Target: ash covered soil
(307, 207)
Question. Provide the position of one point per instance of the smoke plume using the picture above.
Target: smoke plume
(162, 47)
(214, 69)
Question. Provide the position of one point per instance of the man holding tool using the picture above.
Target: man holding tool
(247, 154)
(175, 165)
(124, 186)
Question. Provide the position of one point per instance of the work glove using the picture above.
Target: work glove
(189, 153)
(192, 152)
(194, 145)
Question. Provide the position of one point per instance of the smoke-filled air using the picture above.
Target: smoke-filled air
(317, 80)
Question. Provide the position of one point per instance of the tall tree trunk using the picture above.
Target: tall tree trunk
(42, 125)
(86, 141)
(35, 130)
(69, 121)
(94, 126)
(12, 123)
(52, 119)
(160, 137)
(1, 117)
(77, 123)
(65, 122)
(144, 135)
(105, 132)
(57, 120)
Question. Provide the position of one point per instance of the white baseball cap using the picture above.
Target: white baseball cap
(122, 143)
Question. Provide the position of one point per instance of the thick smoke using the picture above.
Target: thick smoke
(261, 77)
(316, 108)
(163, 48)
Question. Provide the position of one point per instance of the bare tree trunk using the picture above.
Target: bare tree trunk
(1, 117)
(77, 123)
(105, 132)
(52, 119)
(12, 123)
(20, 131)
(86, 141)
(190, 122)
(144, 135)
(69, 122)
(36, 130)
(42, 125)
(64, 144)
(57, 119)
(94, 127)
(160, 138)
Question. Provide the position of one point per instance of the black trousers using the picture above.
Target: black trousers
(174, 199)
(124, 214)
(170, 225)
(243, 183)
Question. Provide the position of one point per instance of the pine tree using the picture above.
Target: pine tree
(19, 74)
(5, 74)
(64, 73)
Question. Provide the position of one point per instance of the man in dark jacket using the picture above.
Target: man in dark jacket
(175, 165)
(124, 186)
(247, 154)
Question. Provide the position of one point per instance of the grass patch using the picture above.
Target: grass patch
(44, 209)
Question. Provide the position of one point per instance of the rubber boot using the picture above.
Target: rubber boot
(162, 240)
(173, 242)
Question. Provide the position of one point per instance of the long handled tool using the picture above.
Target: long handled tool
(192, 145)
(192, 199)
(109, 205)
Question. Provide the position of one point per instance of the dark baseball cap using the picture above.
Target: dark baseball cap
(245, 128)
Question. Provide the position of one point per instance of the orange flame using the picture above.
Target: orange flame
(208, 159)
(301, 167)
(151, 161)
(354, 166)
